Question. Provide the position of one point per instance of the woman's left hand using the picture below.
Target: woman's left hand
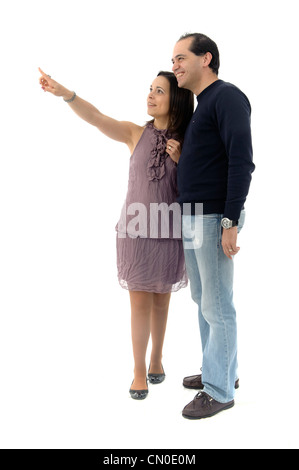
(174, 150)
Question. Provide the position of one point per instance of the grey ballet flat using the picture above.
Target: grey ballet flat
(156, 378)
(138, 394)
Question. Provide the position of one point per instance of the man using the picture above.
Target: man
(214, 169)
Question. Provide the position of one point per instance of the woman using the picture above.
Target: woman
(150, 264)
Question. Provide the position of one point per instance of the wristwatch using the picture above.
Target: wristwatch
(227, 223)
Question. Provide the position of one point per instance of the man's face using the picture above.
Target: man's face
(187, 66)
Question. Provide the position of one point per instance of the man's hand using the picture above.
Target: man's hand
(229, 242)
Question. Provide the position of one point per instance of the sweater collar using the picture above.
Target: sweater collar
(208, 88)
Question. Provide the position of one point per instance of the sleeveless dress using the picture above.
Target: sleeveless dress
(150, 254)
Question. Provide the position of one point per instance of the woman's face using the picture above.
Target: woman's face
(158, 99)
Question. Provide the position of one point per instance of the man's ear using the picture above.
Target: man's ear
(207, 59)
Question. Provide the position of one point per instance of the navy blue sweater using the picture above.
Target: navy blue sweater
(216, 162)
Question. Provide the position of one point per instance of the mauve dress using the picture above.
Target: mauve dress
(147, 260)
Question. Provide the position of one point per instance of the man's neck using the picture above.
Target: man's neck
(205, 83)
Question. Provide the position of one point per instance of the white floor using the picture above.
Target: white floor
(65, 377)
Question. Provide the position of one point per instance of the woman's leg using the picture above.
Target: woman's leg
(159, 316)
(141, 307)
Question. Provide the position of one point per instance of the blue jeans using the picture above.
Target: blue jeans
(211, 281)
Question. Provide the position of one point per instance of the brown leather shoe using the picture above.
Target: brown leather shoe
(204, 406)
(194, 382)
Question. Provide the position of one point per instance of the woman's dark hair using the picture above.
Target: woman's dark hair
(181, 106)
(200, 45)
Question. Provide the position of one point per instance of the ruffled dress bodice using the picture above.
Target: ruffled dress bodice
(158, 155)
(152, 181)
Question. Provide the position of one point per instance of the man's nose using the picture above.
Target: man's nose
(175, 66)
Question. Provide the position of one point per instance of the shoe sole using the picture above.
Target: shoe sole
(138, 394)
(192, 388)
(196, 388)
(156, 381)
(209, 415)
(142, 397)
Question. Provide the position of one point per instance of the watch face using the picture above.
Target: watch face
(226, 223)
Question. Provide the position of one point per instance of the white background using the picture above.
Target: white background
(65, 348)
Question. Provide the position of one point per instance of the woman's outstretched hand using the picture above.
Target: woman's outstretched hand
(48, 84)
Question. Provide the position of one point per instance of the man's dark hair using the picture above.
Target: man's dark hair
(202, 44)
